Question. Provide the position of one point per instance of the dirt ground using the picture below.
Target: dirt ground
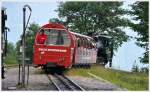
(39, 81)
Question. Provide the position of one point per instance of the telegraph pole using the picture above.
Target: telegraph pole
(23, 48)
(23, 42)
(3, 38)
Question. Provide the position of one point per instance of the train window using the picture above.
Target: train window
(42, 32)
(66, 38)
(82, 42)
(41, 38)
(88, 42)
(91, 43)
(57, 37)
(79, 42)
(85, 43)
(46, 31)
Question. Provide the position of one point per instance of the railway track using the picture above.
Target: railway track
(62, 83)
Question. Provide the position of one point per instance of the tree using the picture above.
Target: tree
(140, 11)
(10, 48)
(11, 54)
(135, 68)
(96, 17)
(30, 35)
(55, 20)
(145, 69)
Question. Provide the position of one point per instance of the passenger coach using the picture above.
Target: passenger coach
(55, 46)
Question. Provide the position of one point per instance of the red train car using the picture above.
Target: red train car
(55, 46)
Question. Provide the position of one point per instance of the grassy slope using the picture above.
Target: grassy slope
(131, 81)
(10, 60)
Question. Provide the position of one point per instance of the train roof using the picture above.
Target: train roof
(54, 25)
(60, 26)
(80, 35)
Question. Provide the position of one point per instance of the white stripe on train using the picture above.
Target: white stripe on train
(54, 50)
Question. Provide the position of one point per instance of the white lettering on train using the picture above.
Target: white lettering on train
(54, 50)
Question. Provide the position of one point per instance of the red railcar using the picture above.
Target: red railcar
(55, 46)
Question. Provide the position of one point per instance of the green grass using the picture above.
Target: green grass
(130, 81)
(10, 60)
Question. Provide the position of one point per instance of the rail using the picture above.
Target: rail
(62, 83)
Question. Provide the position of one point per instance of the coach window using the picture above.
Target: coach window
(46, 31)
(93, 43)
(82, 42)
(87, 44)
(79, 42)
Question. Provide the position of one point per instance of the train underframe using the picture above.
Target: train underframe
(54, 68)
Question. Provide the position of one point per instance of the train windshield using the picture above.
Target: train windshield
(57, 37)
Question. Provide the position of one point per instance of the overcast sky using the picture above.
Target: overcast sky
(43, 11)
